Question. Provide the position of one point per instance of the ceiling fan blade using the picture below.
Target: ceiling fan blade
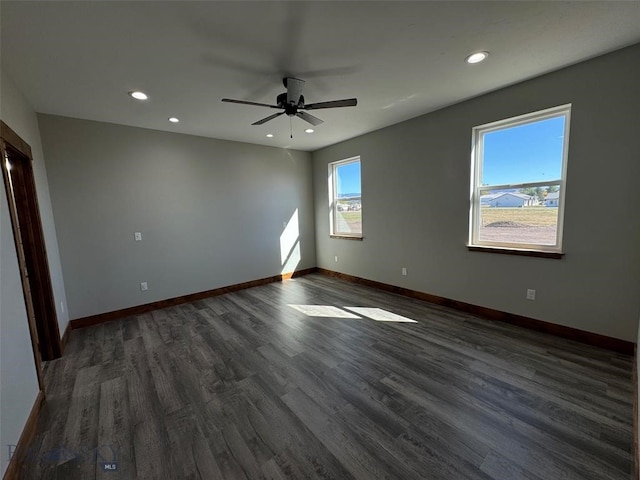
(242, 102)
(309, 118)
(294, 90)
(265, 120)
(348, 102)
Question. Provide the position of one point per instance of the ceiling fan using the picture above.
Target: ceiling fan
(292, 103)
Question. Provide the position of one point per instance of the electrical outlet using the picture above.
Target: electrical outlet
(531, 294)
(144, 287)
(336, 258)
(137, 236)
(404, 271)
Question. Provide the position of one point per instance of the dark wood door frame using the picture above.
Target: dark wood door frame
(17, 172)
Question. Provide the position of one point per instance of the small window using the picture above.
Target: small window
(345, 198)
(518, 181)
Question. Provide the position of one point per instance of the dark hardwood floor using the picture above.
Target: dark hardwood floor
(246, 386)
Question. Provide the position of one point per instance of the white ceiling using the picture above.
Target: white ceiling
(400, 59)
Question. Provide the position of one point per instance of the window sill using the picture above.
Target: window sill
(345, 237)
(516, 251)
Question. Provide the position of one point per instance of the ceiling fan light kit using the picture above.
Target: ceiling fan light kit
(292, 103)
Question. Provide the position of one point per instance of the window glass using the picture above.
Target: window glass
(346, 198)
(518, 180)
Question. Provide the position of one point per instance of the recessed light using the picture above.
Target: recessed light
(174, 119)
(139, 95)
(309, 130)
(477, 57)
(269, 135)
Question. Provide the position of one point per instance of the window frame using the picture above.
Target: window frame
(477, 162)
(333, 189)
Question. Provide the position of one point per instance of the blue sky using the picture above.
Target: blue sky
(349, 178)
(526, 153)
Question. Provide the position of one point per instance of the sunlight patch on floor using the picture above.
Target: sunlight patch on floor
(323, 311)
(380, 315)
(377, 314)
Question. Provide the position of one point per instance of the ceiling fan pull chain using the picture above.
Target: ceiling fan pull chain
(290, 128)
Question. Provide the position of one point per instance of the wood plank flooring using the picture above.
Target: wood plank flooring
(245, 386)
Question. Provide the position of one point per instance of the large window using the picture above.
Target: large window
(518, 181)
(345, 198)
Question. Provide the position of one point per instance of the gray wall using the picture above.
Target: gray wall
(18, 381)
(211, 212)
(415, 190)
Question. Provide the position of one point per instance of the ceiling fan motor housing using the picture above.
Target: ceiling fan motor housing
(289, 108)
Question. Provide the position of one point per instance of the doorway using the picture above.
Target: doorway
(17, 172)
